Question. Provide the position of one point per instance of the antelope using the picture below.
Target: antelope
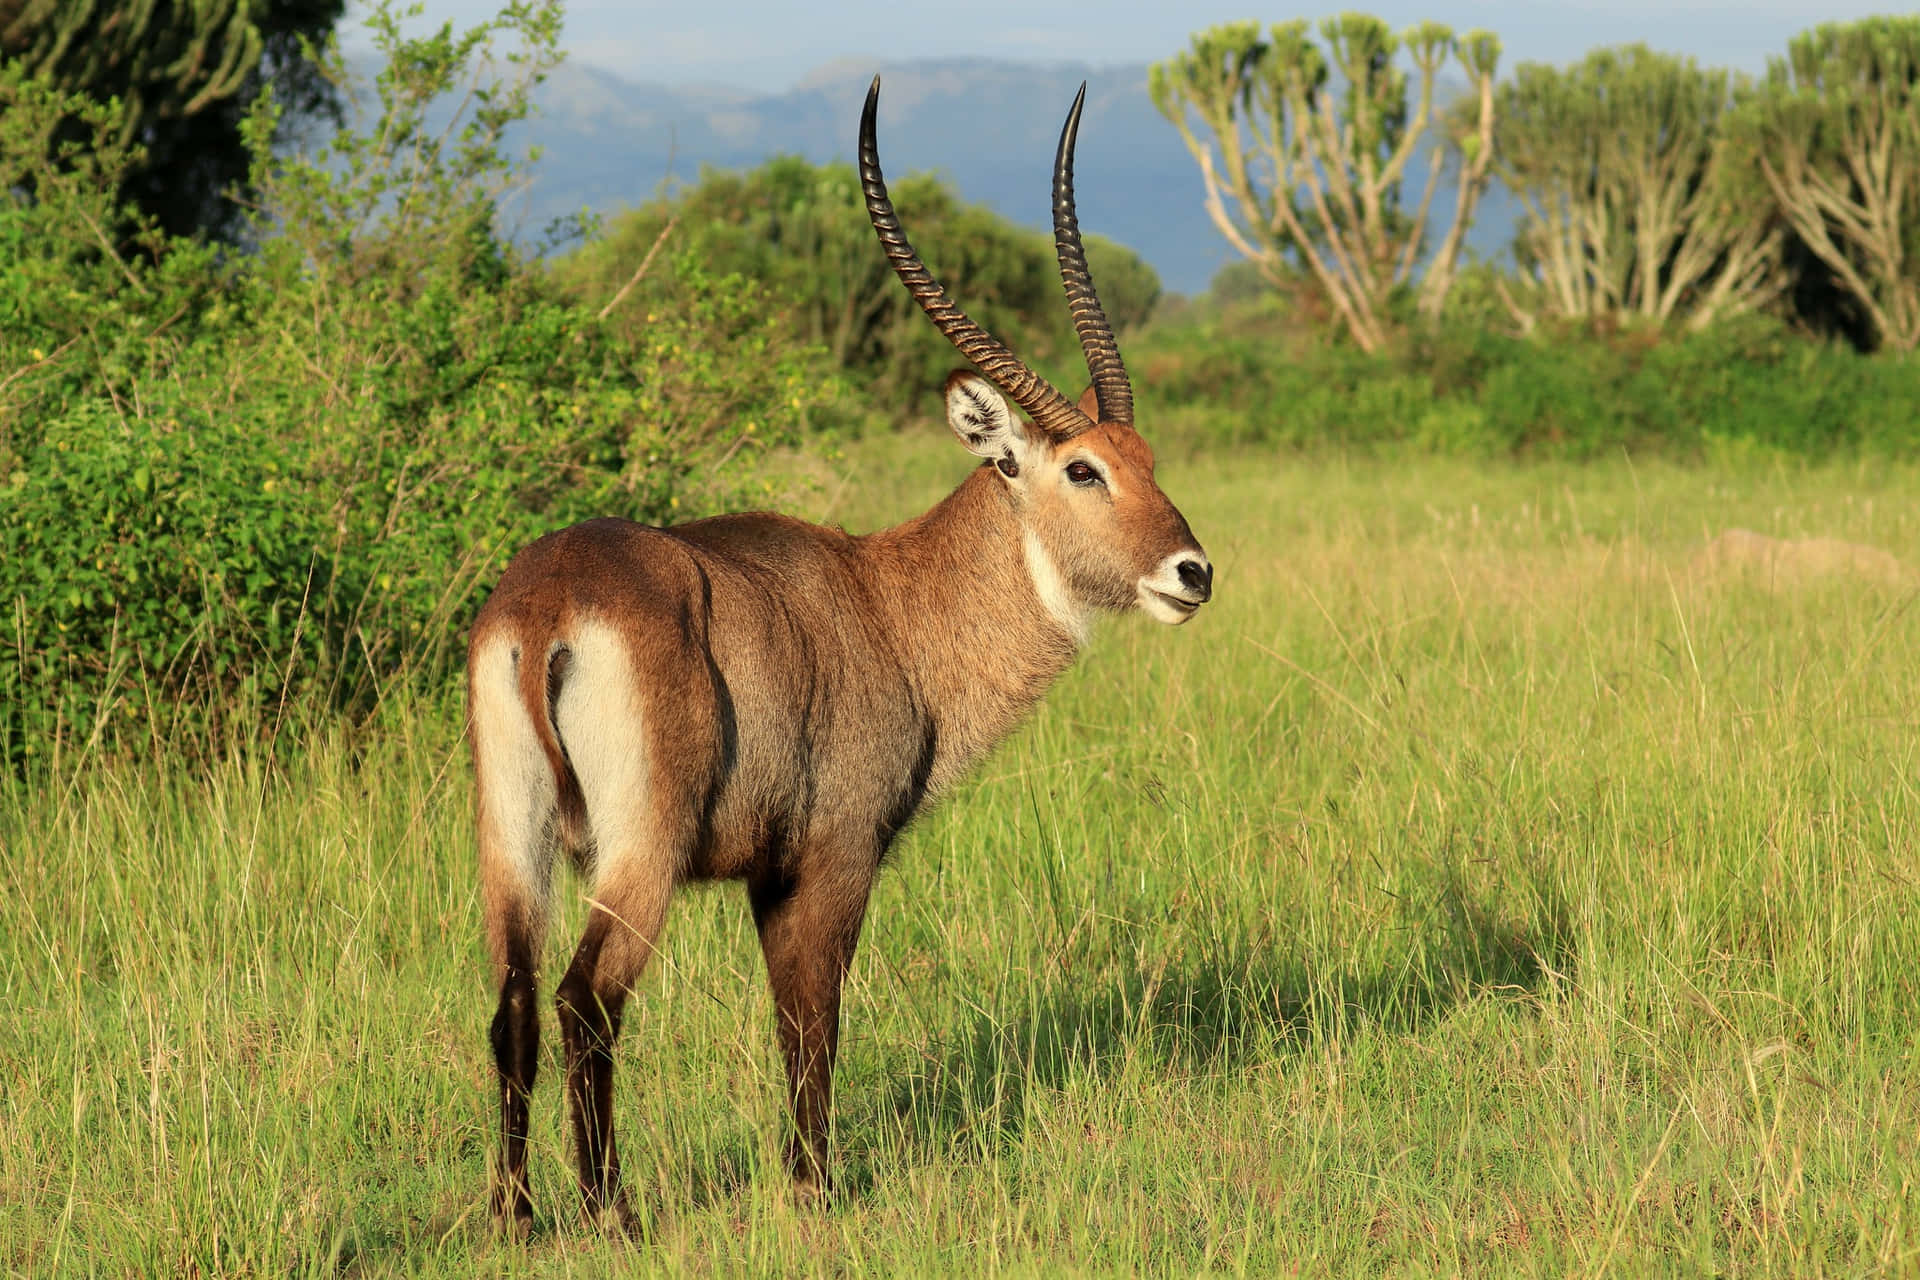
(751, 697)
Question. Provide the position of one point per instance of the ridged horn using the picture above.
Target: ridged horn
(1050, 411)
(1110, 386)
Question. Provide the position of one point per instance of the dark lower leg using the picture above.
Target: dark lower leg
(619, 940)
(515, 1035)
(808, 939)
(810, 1041)
(589, 1025)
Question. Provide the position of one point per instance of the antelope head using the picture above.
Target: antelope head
(1097, 531)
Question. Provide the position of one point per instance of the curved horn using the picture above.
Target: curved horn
(1111, 390)
(1050, 411)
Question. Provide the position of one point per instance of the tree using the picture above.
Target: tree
(1835, 130)
(1297, 169)
(184, 76)
(1635, 205)
(228, 479)
(801, 231)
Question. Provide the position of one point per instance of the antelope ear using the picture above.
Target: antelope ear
(980, 416)
(1090, 405)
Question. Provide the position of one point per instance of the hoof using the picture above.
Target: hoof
(807, 1170)
(616, 1219)
(512, 1210)
(812, 1191)
(515, 1227)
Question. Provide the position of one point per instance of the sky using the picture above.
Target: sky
(772, 44)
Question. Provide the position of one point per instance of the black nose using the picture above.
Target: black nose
(1197, 577)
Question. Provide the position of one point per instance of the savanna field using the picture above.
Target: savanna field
(1477, 885)
(1488, 881)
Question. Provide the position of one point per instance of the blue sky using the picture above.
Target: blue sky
(773, 43)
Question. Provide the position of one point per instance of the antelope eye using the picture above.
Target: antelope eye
(1081, 473)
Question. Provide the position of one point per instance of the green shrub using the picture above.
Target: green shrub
(288, 473)
(1236, 376)
(801, 231)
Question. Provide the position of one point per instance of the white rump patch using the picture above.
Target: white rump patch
(1074, 618)
(598, 716)
(518, 794)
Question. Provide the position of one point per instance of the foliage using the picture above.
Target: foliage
(1835, 129)
(1248, 374)
(181, 78)
(801, 231)
(74, 274)
(158, 60)
(232, 480)
(1308, 173)
(1636, 206)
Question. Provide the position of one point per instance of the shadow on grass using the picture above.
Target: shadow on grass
(1220, 1003)
(1228, 1004)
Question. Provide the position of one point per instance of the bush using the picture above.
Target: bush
(1240, 375)
(802, 232)
(288, 473)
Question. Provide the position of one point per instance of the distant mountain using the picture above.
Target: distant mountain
(988, 126)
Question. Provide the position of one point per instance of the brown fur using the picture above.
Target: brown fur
(755, 698)
(802, 694)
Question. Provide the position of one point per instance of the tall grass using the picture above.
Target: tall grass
(1468, 888)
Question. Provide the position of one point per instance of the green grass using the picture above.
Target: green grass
(1465, 890)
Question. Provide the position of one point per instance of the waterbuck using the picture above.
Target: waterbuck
(754, 698)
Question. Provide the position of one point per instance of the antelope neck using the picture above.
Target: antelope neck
(966, 616)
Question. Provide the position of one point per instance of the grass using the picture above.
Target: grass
(1467, 889)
